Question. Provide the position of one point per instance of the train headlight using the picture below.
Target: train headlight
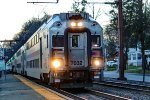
(97, 62)
(56, 63)
(73, 24)
(76, 24)
(79, 24)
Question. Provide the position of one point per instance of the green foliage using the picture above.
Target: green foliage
(130, 21)
(135, 69)
(131, 17)
(112, 41)
(136, 24)
(79, 8)
(111, 68)
(28, 28)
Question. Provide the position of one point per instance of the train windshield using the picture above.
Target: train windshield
(95, 41)
(58, 40)
(75, 39)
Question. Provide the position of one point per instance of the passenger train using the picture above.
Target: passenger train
(66, 51)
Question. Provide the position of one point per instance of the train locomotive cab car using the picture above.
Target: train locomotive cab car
(66, 51)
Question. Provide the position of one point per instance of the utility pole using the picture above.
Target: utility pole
(121, 51)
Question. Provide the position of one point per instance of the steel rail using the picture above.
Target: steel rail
(136, 87)
(107, 95)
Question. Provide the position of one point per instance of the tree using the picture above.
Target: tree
(110, 35)
(79, 8)
(147, 25)
(135, 24)
(28, 28)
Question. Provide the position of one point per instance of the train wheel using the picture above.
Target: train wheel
(57, 85)
(41, 78)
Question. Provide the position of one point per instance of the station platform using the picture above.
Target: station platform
(16, 87)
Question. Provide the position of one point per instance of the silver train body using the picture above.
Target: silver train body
(66, 50)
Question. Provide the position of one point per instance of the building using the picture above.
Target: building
(135, 56)
(147, 53)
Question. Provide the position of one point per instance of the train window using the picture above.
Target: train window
(35, 37)
(75, 39)
(36, 61)
(31, 64)
(47, 41)
(18, 53)
(58, 40)
(27, 45)
(95, 41)
(28, 64)
(37, 40)
(32, 42)
(19, 65)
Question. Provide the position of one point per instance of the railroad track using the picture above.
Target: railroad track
(130, 86)
(100, 95)
(106, 95)
(90, 94)
(74, 97)
(65, 94)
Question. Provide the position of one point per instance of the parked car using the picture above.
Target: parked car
(112, 63)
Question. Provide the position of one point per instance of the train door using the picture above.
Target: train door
(77, 50)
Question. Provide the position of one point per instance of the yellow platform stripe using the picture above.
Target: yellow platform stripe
(49, 95)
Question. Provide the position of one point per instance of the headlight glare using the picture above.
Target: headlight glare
(97, 62)
(56, 63)
(73, 24)
(76, 24)
(80, 24)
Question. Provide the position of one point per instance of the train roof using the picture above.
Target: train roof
(69, 16)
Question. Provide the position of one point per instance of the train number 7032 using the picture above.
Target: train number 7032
(76, 62)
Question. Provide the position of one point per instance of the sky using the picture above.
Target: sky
(14, 13)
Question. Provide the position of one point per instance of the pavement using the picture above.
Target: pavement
(129, 76)
(15, 87)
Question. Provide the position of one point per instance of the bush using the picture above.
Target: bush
(111, 68)
(135, 69)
